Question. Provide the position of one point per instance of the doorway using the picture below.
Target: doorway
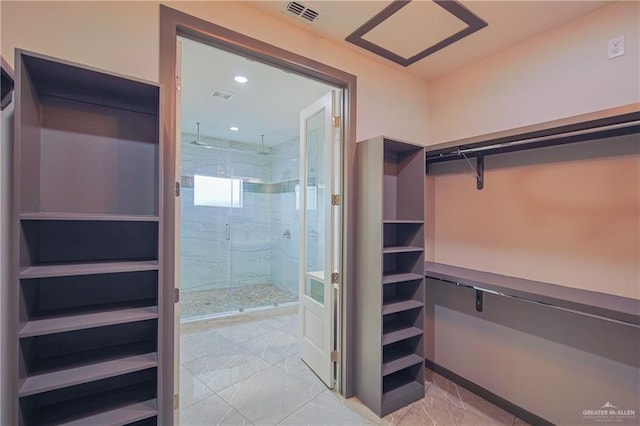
(258, 155)
(172, 24)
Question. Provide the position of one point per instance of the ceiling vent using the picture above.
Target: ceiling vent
(302, 11)
(225, 96)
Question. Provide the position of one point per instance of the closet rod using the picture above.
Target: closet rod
(537, 302)
(592, 133)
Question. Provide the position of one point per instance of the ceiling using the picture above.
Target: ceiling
(422, 23)
(270, 102)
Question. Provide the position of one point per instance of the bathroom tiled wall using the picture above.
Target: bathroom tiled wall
(260, 247)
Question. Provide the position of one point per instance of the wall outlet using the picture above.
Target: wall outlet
(616, 47)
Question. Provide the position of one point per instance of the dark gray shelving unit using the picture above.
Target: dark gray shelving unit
(389, 274)
(87, 229)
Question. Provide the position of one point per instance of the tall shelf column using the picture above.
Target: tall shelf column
(389, 274)
(87, 229)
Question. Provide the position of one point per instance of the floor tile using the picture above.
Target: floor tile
(432, 411)
(241, 332)
(282, 320)
(297, 368)
(326, 409)
(269, 396)
(225, 367)
(273, 346)
(196, 345)
(460, 397)
(520, 422)
(291, 328)
(211, 411)
(191, 389)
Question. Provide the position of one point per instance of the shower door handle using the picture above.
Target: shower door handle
(228, 231)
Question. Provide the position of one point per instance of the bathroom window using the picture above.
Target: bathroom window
(217, 191)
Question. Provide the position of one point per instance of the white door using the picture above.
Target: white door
(319, 257)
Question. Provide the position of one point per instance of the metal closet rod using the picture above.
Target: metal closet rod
(536, 302)
(459, 151)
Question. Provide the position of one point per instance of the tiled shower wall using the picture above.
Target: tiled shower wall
(258, 251)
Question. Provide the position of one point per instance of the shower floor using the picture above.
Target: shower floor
(196, 303)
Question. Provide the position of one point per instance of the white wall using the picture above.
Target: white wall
(560, 73)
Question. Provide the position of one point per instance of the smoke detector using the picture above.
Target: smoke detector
(225, 96)
(302, 11)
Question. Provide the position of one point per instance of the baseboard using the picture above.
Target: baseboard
(512, 408)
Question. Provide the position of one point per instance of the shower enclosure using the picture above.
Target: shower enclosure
(239, 226)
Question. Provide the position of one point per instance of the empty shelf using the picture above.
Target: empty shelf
(88, 216)
(400, 394)
(120, 416)
(400, 334)
(400, 305)
(79, 322)
(401, 249)
(399, 278)
(401, 362)
(87, 269)
(86, 373)
(402, 221)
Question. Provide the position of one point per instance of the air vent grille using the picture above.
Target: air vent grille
(302, 11)
(221, 95)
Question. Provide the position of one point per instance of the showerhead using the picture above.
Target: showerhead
(198, 142)
(262, 151)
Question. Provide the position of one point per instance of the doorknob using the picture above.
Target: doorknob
(228, 231)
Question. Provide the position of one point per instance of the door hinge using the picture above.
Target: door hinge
(335, 199)
(177, 189)
(335, 122)
(176, 402)
(335, 356)
(178, 83)
(176, 295)
(335, 278)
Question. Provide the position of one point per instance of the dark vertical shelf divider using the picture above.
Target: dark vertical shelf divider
(87, 229)
(389, 274)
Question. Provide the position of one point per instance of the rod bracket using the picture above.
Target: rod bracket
(479, 300)
(480, 172)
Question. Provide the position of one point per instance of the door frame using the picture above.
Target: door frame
(172, 24)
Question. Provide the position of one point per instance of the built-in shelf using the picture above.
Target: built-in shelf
(42, 327)
(396, 335)
(88, 216)
(400, 361)
(403, 222)
(394, 306)
(591, 303)
(87, 269)
(400, 277)
(403, 249)
(86, 373)
(398, 392)
(120, 416)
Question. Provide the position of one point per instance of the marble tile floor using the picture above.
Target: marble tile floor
(195, 303)
(245, 370)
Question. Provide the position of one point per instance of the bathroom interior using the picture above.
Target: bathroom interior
(240, 189)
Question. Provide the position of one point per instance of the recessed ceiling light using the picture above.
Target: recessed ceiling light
(240, 79)
(234, 128)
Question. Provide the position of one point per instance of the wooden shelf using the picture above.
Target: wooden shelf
(401, 362)
(86, 373)
(397, 335)
(403, 249)
(78, 322)
(400, 305)
(400, 278)
(403, 222)
(88, 216)
(87, 269)
(120, 416)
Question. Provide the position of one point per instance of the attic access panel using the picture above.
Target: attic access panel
(472, 21)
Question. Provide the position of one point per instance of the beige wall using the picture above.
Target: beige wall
(560, 73)
(567, 216)
(123, 37)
